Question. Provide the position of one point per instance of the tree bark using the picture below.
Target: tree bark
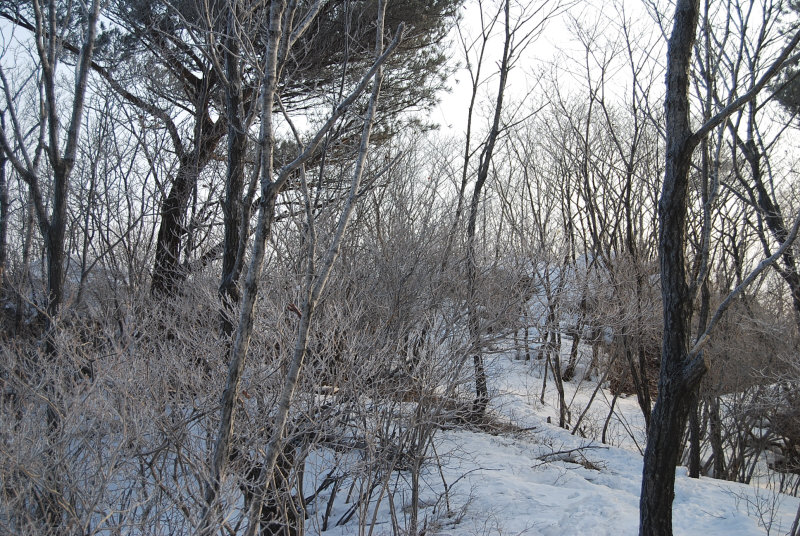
(715, 433)
(167, 270)
(234, 183)
(694, 437)
(668, 420)
(3, 209)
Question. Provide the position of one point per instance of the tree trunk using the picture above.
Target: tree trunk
(481, 391)
(555, 363)
(167, 270)
(54, 243)
(694, 437)
(234, 184)
(678, 375)
(682, 370)
(638, 371)
(665, 435)
(715, 432)
(3, 210)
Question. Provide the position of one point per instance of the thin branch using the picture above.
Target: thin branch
(703, 340)
(779, 63)
(338, 112)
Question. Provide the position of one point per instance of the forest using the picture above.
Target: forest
(251, 283)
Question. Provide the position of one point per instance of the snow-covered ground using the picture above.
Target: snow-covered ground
(542, 480)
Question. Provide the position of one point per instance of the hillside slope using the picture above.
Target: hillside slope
(538, 479)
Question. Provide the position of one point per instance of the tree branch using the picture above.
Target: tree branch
(703, 340)
(726, 112)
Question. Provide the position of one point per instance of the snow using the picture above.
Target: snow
(542, 480)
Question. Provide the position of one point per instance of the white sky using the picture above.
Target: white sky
(556, 48)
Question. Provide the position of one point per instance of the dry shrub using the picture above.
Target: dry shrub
(108, 432)
(620, 377)
(748, 349)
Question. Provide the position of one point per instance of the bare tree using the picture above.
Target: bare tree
(519, 30)
(50, 30)
(4, 205)
(682, 366)
(481, 391)
(283, 37)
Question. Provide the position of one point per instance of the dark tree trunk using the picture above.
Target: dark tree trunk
(234, 184)
(645, 400)
(681, 371)
(555, 363)
(715, 432)
(54, 243)
(678, 375)
(665, 435)
(3, 210)
(167, 273)
(481, 388)
(569, 372)
(694, 437)
(638, 371)
(167, 270)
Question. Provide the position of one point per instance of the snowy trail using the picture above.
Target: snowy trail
(546, 482)
(519, 494)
